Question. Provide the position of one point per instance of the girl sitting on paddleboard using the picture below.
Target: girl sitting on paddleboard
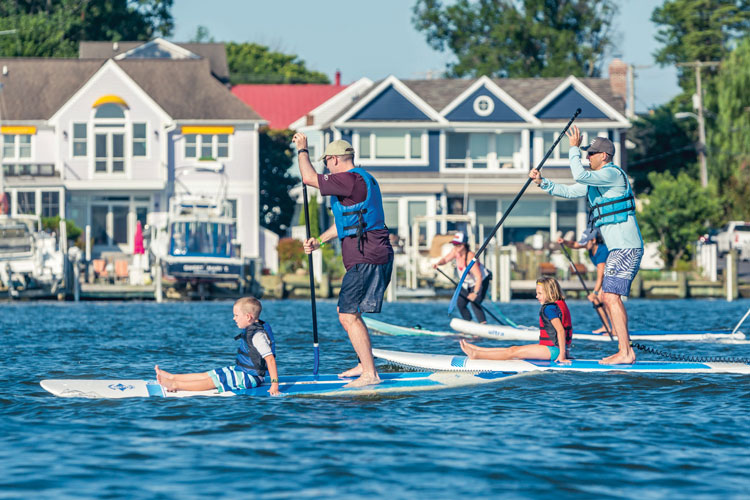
(555, 330)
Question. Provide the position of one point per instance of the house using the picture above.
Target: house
(465, 146)
(98, 139)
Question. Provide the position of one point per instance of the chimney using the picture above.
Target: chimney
(338, 78)
(618, 77)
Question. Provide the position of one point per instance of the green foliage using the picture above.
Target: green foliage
(291, 255)
(53, 28)
(253, 63)
(52, 224)
(314, 215)
(674, 214)
(276, 206)
(698, 30)
(729, 137)
(202, 35)
(663, 144)
(524, 38)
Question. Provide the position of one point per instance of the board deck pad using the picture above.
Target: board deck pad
(323, 385)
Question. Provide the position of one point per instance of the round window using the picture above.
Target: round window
(484, 105)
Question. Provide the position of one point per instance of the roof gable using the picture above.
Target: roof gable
(390, 104)
(157, 49)
(484, 101)
(562, 102)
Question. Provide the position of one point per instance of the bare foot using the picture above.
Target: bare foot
(169, 385)
(469, 349)
(364, 381)
(620, 358)
(600, 330)
(352, 372)
(161, 375)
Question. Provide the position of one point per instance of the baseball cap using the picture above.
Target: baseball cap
(588, 235)
(459, 238)
(338, 148)
(600, 145)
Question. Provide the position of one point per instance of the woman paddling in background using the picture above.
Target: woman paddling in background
(477, 281)
(555, 330)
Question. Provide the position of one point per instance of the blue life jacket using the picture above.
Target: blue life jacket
(248, 358)
(361, 217)
(605, 210)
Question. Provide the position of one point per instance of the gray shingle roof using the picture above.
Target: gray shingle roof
(438, 93)
(35, 88)
(214, 52)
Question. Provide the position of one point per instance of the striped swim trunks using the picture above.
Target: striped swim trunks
(622, 266)
(231, 378)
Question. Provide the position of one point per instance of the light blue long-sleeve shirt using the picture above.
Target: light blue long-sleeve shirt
(611, 184)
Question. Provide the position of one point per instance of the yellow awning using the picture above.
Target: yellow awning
(194, 129)
(110, 99)
(18, 129)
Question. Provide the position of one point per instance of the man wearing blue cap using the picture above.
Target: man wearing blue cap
(598, 252)
(612, 210)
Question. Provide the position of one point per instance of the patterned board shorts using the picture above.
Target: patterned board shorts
(231, 378)
(622, 266)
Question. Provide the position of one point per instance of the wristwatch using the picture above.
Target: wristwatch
(303, 151)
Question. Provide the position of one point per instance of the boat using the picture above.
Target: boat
(198, 243)
(322, 385)
(31, 265)
(389, 329)
(501, 332)
(449, 363)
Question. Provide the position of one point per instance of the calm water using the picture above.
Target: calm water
(564, 435)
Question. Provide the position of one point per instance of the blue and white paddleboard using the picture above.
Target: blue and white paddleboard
(387, 328)
(442, 362)
(531, 334)
(323, 385)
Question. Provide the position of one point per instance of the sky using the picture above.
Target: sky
(377, 39)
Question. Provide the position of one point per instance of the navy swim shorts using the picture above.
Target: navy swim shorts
(363, 287)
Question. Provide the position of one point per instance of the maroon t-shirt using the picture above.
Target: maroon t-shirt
(350, 188)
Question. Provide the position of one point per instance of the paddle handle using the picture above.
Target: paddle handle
(312, 284)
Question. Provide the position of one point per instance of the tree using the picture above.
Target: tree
(663, 144)
(202, 35)
(276, 206)
(674, 214)
(729, 137)
(519, 38)
(253, 63)
(698, 30)
(53, 28)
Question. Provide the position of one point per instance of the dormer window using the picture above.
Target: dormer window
(109, 135)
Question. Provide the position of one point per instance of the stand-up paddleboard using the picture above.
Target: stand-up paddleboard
(389, 329)
(502, 332)
(441, 362)
(323, 385)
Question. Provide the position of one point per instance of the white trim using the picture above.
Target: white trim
(170, 47)
(90, 85)
(402, 89)
(498, 92)
(477, 105)
(588, 94)
(348, 94)
(115, 184)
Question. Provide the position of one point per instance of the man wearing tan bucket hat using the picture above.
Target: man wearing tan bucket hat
(366, 250)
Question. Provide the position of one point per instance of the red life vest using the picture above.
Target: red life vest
(547, 332)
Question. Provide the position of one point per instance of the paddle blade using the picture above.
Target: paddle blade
(456, 294)
(316, 360)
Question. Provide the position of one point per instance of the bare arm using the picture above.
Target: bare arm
(570, 244)
(447, 258)
(313, 244)
(273, 372)
(306, 170)
(477, 275)
(562, 358)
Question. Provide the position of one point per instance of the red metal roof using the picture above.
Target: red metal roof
(282, 104)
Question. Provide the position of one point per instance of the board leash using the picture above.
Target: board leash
(690, 357)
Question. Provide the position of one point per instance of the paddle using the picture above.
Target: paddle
(741, 321)
(473, 302)
(505, 215)
(312, 287)
(597, 308)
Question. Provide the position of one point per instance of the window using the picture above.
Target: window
(561, 151)
(139, 139)
(26, 202)
(206, 146)
(390, 208)
(486, 211)
(390, 145)
(506, 146)
(79, 139)
(481, 150)
(109, 139)
(50, 203)
(16, 146)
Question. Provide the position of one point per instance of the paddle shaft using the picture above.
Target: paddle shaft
(312, 284)
(602, 315)
(507, 212)
(467, 297)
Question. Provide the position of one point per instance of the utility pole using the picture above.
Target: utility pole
(698, 103)
(630, 108)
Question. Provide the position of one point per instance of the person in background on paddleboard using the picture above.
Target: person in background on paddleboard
(256, 355)
(365, 244)
(593, 242)
(477, 281)
(612, 210)
(555, 330)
